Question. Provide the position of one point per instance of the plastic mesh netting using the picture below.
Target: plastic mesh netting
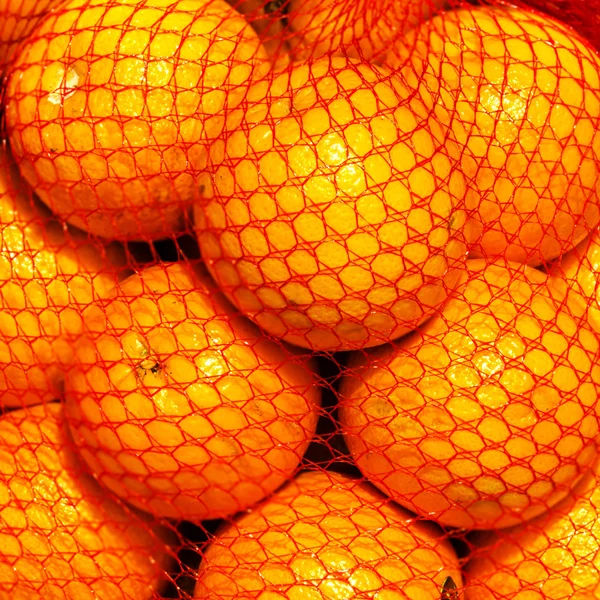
(299, 300)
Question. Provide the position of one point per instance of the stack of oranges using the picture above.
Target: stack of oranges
(407, 189)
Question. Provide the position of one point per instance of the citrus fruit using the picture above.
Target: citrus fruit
(356, 28)
(111, 104)
(49, 275)
(555, 557)
(523, 93)
(336, 218)
(19, 17)
(181, 407)
(326, 536)
(487, 415)
(62, 537)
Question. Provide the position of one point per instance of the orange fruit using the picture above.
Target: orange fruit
(111, 105)
(555, 557)
(523, 93)
(62, 537)
(326, 536)
(19, 18)
(337, 212)
(487, 415)
(49, 275)
(357, 28)
(181, 407)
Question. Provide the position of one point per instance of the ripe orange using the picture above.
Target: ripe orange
(357, 28)
(49, 275)
(555, 557)
(488, 414)
(19, 17)
(182, 408)
(62, 537)
(337, 215)
(327, 537)
(111, 105)
(523, 93)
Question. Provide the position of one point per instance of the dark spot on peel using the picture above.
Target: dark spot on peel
(275, 6)
(147, 366)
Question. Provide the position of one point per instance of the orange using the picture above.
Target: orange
(326, 536)
(357, 28)
(337, 213)
(49, 275)
(19, 17)
(111, 105)
(523, 93)
(555, 557)
(488, 414)
(181, 407)
(61, 536)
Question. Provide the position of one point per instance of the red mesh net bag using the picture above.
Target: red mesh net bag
(299, 300)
